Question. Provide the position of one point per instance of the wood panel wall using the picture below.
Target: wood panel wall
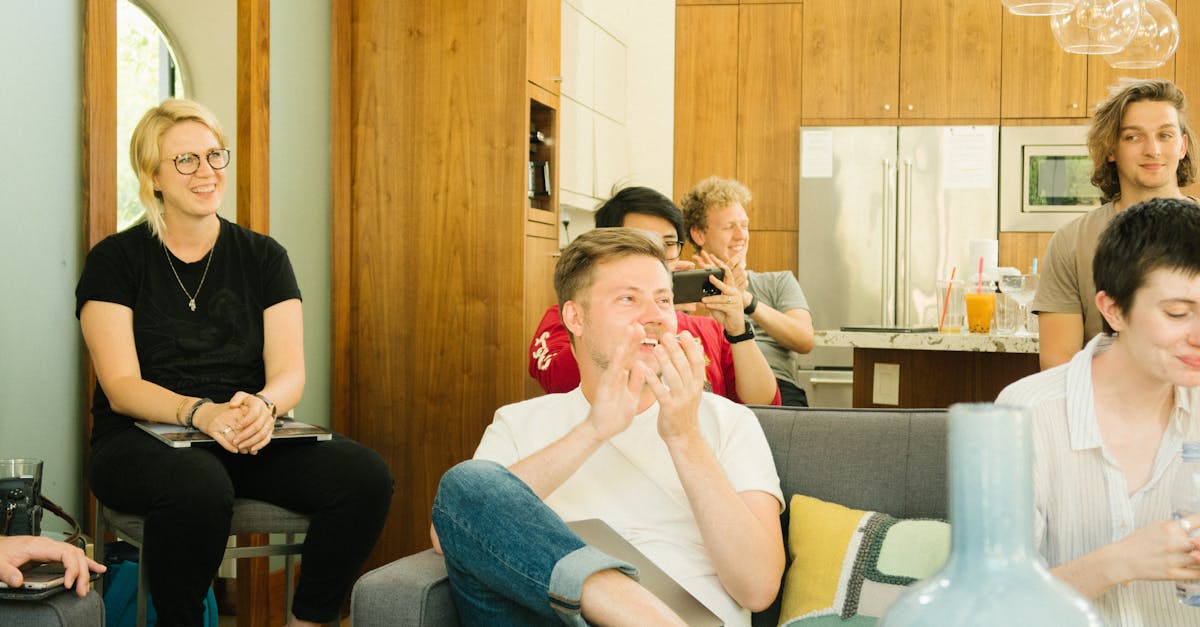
(429, 214)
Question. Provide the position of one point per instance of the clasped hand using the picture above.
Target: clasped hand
(243, 425)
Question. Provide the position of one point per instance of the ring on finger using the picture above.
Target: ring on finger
(728, 299)
(1186, 524)
(226, 430)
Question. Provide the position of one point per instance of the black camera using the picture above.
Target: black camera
(20, 507)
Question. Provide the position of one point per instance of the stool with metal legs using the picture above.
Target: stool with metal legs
(249, 516)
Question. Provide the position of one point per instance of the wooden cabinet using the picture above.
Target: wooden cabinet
(894, 59)
(431, 260)
(950, 59)
(768, 113)
(849, 59)
(1041, 80)
(706, 87)
(544, 44)
(938, 379)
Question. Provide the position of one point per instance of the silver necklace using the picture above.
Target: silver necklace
(191, 297)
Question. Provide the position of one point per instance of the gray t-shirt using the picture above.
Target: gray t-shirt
(781, 292)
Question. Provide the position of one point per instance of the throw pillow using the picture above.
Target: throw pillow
(848, 566)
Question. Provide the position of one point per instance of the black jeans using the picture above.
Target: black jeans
(186, 495)
(791, 395)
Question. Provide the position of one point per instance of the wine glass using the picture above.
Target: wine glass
(1021, 288)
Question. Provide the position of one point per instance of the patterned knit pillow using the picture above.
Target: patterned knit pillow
(848, 566)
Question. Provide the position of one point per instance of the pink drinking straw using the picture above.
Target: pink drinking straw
(979, 277)
(946, 305)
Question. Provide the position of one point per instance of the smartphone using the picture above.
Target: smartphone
(41, 576)
(692, 285)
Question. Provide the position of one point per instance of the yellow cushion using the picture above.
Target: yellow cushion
(847, 566)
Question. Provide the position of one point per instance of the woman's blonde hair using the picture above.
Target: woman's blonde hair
(145, 149)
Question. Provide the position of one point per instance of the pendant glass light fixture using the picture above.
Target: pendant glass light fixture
(1039, 7)
(1153, 43)
(1097, 26)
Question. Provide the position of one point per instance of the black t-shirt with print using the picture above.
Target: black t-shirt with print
(211, 352)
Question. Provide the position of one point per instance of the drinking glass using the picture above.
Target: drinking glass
(1021, 288)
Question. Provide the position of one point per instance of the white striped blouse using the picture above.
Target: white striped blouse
(1080, 498)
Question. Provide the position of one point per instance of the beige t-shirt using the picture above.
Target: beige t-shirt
(1066, 284)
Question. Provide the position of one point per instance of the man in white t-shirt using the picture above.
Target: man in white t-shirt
(1109, 425)
(684, 475)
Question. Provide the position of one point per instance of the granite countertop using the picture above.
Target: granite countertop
(970, 342)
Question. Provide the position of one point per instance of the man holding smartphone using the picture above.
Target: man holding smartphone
(715, 215)
(735, 366)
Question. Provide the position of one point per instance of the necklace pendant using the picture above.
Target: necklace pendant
(192, 304)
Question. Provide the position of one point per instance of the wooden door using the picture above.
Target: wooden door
(706, 84)
(1039, 79)
(850, 59)
(950, 59)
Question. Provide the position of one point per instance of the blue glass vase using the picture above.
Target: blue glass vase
(993, 576)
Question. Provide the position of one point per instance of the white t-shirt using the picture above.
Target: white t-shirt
(631, 483)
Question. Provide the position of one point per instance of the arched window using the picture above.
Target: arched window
(148, 72)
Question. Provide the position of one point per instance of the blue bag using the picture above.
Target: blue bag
(120, 598)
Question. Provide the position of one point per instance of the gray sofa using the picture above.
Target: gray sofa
(61, 610)
(892, 461)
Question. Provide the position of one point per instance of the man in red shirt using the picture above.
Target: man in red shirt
(734, 366)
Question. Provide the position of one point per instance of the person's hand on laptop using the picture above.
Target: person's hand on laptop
(16, 551)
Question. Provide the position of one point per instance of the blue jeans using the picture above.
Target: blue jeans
(511, 559)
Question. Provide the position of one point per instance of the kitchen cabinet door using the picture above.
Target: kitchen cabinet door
(1102, 76)
(544, 33)
(706, 84)
(1187, 75)
(849, 59)
(1040, 79)
(768, 116)
(950, 59)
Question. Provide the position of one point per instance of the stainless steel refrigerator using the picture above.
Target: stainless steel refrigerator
(885, 212)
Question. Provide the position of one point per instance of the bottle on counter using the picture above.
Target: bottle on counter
(1185, 501)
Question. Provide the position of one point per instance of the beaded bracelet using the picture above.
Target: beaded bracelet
(192, 412)
(179, 409)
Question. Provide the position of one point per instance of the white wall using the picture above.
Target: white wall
(300, 177)
(618, 98)
(203, 36)
(41, 393)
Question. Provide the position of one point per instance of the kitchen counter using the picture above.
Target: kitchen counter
(969, 342)
(932, 369)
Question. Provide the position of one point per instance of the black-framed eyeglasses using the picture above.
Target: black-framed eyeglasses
(189, 162)
(674, 250)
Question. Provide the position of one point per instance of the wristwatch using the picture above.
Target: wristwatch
(749, 310)
(734, 339)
